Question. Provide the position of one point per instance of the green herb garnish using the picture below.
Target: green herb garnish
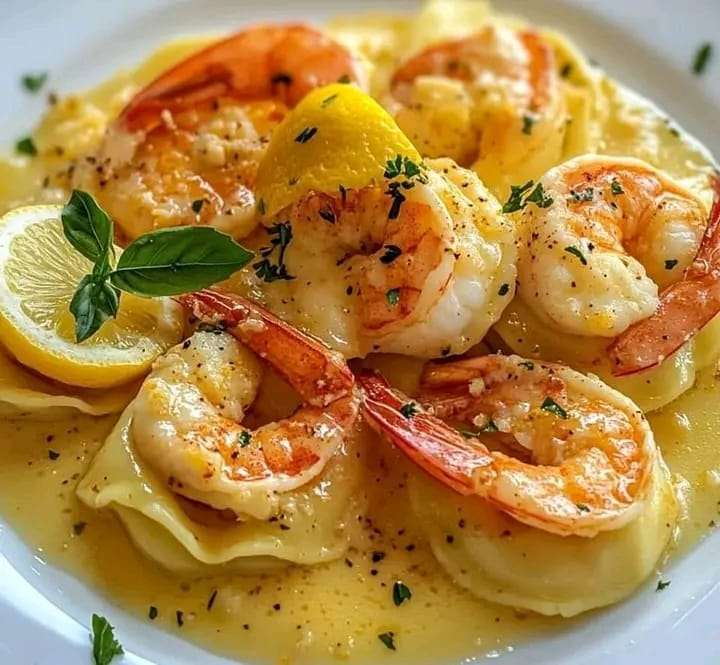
(503, 290)
(26, 146)
(538, 197)
(702, 57)
(580, 196)
(244, 438)
(409, 410)
(393, 297)
(400, 593)
(576, 252)
(670, 263)
(166, 262)
(661, 586)
(515, 201)
(527, 364)
(327, 101)
(616, 187)
(582, 508)
(33, 82)
(551, 406)
(388, 639)
(197, 205)
(280, 237)
(306, 134)
(528, 122)
(489, 427)
(105, 646)
(401, 166)
(391, 253)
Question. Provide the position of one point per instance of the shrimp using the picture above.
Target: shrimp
(685, 307)
(607, 233)
(187, 416)
(493, 100)
(585, 451)
(421, 265)
(185, 150)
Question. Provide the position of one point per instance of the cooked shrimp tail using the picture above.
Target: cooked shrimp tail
(283, 62)
(317, 373)
(685, 307)
(425, 439)
(586, 450)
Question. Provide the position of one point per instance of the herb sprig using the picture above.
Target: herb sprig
(397, 169)
(166, 262)
(519, 197)
(281, 236)
(105, 646)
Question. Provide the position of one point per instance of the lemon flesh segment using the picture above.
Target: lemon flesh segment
(39, 272)
(336, 136)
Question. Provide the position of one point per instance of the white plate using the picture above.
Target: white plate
(648, 44)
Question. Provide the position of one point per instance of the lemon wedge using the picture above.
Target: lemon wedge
(336, 136)
(39, 271)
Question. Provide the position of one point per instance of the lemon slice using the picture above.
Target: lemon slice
(336, 136)
(39, 271)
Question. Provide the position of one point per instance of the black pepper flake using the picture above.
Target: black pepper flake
(670, 264)
(197, 205)
(377, 556)
(211, 600)
(282, 78)
(306, 134)
(53, 454)
(503, 290)
(391, 253)
(180, 617)
(79, 527)
(276, 607)
(152, 613)
(388, 639)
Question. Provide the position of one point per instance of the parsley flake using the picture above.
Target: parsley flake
(527, 364)
(576, 252)
(244, 438)
(105, 646)
(391, 253)
(197, 205)
(702, 57)
(265, 269)
(409, 410)
(388, 639)
(489, 426)
(616, 187)
(327, 101)
(400, 593)
(670, 263)
(551, 406)
(528, 122)
(580, 196)
(393, 297)
(33, 82)
(503, 290)
(582, 508)
(538, 197)
(515, 201)
(306, 134)
(26, 146)
(661, 586)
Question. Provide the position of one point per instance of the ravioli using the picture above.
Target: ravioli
(26, 394)
(501, 560)
(170, 531)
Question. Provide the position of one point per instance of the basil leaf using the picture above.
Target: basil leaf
(178, 260)
(95, 301)
(87, 226)
(105, 646)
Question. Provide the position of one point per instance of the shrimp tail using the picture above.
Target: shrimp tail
(425, 439)
(685, 307)
(319, 374)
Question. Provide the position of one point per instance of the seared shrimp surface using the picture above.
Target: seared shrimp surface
(493, 100)
(187, 418)
(611, 232)
(584, 452)
(185, 150)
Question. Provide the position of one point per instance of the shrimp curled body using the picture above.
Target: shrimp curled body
(187, 418)
(583, 452)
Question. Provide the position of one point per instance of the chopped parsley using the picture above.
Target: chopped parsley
(702, 57)
(105, 646)
(26, 146)
(328, 214)
(244, 438)
(388, 639)
(400, 593)
(582, 508)
(527, 364)
(306, 134)
(503, 290)
(33, 82)
(551, 406)
(576, 252)
(616, 187)
(393, 297)
(409, 410)
(670, 263)
(391, 253)
(401, 166)
(528, 122)
(489, 426)
(265, 269)
(516, 201)
(327, 101)
(197, 205)
(661, 586)
(580, 196)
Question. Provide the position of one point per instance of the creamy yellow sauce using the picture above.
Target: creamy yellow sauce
(300, 614)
